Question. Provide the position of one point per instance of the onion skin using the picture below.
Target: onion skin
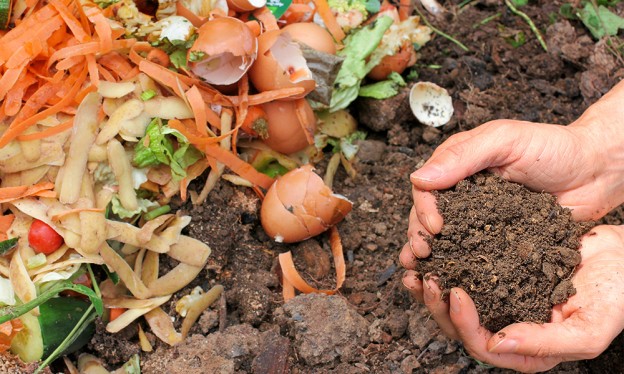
(299, 206)
(286, 132)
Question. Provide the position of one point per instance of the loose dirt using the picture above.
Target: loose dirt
(513, 250)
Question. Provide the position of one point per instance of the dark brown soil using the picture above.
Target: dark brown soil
(512, 250)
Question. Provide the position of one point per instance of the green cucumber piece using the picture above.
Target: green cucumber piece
(43, 334)
(5, 13)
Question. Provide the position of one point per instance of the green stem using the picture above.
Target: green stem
(156, 212)
(486, 20)
(84, 321)
(529, 21)
(441, 33)
(11, 312)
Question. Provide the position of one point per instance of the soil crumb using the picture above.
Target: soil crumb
(513, 250)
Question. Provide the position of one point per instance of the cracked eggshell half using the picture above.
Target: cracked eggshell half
(312, 35)
(291, 125)
(280, 64)
(299, 206)
(431, 104)
(223, 52)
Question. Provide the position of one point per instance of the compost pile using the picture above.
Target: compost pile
(514, 251)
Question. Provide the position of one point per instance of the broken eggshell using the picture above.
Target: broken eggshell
(291, 125)
(431, 104)
(245, 5)
(299, 206)
(280, 64)
(312, 35)
(223, 52)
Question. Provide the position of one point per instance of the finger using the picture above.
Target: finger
(426, 210)
(407, 257)
(417, 236)
(572, 339)
(475, 337)
(493, 147)
(439, 309)
(413, 284)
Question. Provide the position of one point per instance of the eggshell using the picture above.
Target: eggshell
(299, 206)
(229, 49)
(394, 63)
(289, 132)
(431, 104)
(312, 35)
(245, 5)
(280, 64)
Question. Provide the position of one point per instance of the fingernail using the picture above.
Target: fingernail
(406, 275)
(505, 346)
(427, 173)
(411, 245)
(428, 223)
(456, 304)
(428, 292)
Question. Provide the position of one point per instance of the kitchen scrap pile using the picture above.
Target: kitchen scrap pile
(109, 109)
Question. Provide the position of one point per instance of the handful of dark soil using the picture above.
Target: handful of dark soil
(514, 251)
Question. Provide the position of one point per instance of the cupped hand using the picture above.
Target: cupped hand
(581, 328)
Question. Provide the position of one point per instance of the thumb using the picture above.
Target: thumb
(569, 340)
(464, 154)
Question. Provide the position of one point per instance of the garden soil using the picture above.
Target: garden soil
(371, 325)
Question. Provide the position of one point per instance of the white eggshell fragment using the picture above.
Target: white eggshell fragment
(431, 104)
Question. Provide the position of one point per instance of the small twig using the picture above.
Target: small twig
(222, 313)
(529, 21)
(440, 32)
(486, 20)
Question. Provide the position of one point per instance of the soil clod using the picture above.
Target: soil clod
(513, 250)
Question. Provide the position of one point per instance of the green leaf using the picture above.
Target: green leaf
(384, 89)
(358, 47)
(602, 22)
(7, 245)
(516, 40)
(519, 3)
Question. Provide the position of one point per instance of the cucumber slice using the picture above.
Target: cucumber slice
(43, 334)
(5, 13)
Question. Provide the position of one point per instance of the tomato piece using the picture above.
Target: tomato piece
(43, 238)
(83, 279)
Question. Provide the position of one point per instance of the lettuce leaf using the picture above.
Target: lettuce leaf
(157, 147)
(383, 89)
(121, 212)
(358, 47)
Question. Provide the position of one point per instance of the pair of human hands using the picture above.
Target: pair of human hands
(581, 164)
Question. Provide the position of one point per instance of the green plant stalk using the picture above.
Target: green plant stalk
(440, 32)
(11, 312)
(84, 321)
(529, 21)
(486, 20)
(96, 286)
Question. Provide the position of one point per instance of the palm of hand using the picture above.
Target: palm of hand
(581, 328)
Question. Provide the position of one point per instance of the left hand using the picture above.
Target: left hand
(581, 328)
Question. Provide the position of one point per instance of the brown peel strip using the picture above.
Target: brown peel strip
(291, 275)
(198, 306)
(162, 326)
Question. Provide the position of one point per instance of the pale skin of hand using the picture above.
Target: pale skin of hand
(583, 165)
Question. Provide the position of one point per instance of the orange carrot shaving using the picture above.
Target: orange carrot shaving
(13, 100)
(406, 8)
(9, 78)
(159, 57)
(8, 330)
(94, 73)
(72, 22)
(254, 114)
(51, 131)
(114, 313)
(5, 224)
(239, 166)
(267, 18)
(17, 128)
(117, 63)
(266, 96)
(291, 275)
(198, 106)
(66, 213)
(13, 193)
(27, 50)
(164, 76)
(102, 28)
(323, 9)
(308, 128)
